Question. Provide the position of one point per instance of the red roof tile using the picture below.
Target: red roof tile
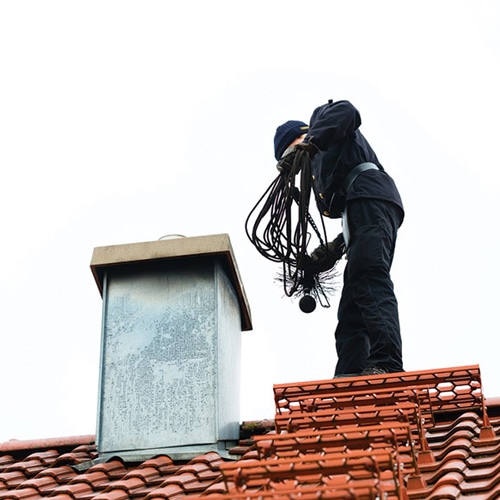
(415, 435)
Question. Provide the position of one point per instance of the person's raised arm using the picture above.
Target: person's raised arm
(332, 122)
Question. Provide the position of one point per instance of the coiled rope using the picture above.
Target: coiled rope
(278, 227)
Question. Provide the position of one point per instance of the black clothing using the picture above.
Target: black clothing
(334, 129)
(368, 331)
(375, 184)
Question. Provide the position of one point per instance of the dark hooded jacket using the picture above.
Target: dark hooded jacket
(334, 129)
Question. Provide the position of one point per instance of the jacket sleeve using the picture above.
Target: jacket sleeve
(332, 122)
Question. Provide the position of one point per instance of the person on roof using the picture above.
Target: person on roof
(350, 183)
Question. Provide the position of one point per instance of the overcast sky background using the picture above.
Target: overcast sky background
(124, 121)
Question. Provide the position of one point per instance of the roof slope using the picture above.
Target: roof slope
(413, 435)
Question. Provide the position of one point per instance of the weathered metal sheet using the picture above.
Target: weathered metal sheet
(170, 357)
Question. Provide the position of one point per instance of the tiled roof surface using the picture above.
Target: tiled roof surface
(414, 435)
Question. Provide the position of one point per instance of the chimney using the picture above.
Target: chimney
(172, 316)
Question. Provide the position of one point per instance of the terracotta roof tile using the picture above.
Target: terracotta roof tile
(217, 488)
(415, 435)
(114, 469)
(96, 479)
(186, 480)
(202, 471)
(20, 494)
(113, 494)
(130, 484)
(62, 474)
(212, 459)
(29, 467)
(168, 491)
(6, 460)
(148, 475)
(74, 489)
(15, 445)
(43, 484)
(159, 462)
(73, 458)
(61, 496)
(12, 479)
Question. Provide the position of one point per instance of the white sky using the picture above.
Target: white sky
(124, 121)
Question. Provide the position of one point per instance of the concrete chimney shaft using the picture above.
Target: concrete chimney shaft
(173, 312)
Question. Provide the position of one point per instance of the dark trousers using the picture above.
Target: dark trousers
(368, 332)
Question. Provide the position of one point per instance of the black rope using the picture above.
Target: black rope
(278, 227)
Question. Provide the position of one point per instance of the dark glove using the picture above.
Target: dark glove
(288, 157)
(325, 257)
(311, 148)
(286, 161)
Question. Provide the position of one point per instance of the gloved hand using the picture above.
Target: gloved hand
(325, 257)
(311, 148)
(286, 161)
(288, 157)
